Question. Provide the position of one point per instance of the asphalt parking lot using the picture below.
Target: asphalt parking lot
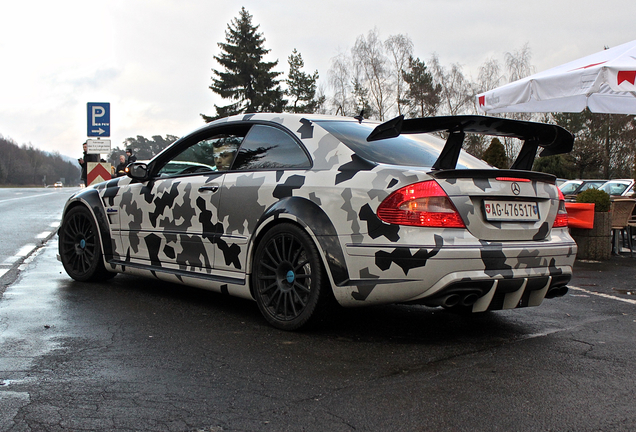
(617, 276)
(140, 355)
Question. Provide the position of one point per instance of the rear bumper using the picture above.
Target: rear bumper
(514, 291)
(501, 275)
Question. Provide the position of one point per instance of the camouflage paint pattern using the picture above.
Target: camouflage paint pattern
(202, 229)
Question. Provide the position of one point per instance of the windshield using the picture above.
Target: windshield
(569, 187)
(614, 188)
(421, 150)
(593, 185)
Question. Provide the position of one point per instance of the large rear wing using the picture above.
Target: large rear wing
(552, 138)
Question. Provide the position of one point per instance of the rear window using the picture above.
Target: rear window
(421, 150)
(267, 147)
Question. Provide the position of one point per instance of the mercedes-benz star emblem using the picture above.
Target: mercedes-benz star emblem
(515, 188)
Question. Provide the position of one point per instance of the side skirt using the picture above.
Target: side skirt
(178, 273)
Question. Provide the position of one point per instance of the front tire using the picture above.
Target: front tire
(80, 248)
(288, 278)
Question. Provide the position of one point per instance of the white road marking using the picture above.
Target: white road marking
(9, 261)
(24, 251)
(630, 301)
(25, 197)
(3, 271)
(42, 235)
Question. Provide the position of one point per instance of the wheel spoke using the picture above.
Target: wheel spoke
(302, 287)
(278, 296)
(76, 225)
(290, 296)
(283, 249)
(301, 265)
(269, 267)
(271, 257)
(269, 287)
(82, 262)
(73, 261)
(278, 258)
(291, 252)
(273, 297)
(299, 299)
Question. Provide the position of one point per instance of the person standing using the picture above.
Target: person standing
(121, 168)
(131, 157)
(83, 161)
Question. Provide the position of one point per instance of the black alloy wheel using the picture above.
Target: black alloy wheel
(288, 278)
(79, 246)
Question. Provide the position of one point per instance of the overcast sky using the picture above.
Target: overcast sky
(152, 59)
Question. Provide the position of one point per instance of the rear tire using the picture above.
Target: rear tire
(288, 278)
(80, 247)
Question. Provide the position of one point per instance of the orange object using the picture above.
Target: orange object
(580, 215)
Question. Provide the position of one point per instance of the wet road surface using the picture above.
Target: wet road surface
(141, 355)
(30, 216)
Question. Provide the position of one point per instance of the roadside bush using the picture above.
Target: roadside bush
(601, 199)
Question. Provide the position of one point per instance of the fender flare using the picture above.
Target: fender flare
(90, 198)
(317, 224)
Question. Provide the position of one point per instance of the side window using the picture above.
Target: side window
(211, 154)
(267, 147)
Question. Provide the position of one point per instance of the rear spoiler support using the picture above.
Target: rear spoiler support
(552, 138)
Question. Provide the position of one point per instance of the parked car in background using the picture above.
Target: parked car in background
(619, 187)
(568, 187)
(572, 188)
(299, 211)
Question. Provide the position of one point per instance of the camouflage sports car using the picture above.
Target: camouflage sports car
(296, 211)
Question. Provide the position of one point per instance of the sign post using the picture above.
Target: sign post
(98, 125)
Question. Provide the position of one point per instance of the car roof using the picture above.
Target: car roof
(553, 139)
(629, 181)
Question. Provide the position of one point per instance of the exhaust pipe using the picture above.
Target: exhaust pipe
(447, 301)
(451, 300)
(557, 292)
(470, 299)
(454, 299)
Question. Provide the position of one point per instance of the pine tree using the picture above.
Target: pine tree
(245, 79)
(423, 96)
(361, 96)
(301, 87)
(495, 154)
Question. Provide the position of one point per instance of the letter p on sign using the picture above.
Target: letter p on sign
(98, 111)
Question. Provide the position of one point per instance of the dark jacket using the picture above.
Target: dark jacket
(87, 158)
(121, 169)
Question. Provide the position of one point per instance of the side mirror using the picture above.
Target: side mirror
(137, 171)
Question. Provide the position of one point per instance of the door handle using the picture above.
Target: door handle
(212, 188)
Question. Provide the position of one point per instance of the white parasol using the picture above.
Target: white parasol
(604, 82)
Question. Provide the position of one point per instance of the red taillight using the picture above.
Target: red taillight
(422, 204)
(561, 219)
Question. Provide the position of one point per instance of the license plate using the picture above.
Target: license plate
(511, 210)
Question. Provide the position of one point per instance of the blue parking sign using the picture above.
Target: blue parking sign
(98, 115)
